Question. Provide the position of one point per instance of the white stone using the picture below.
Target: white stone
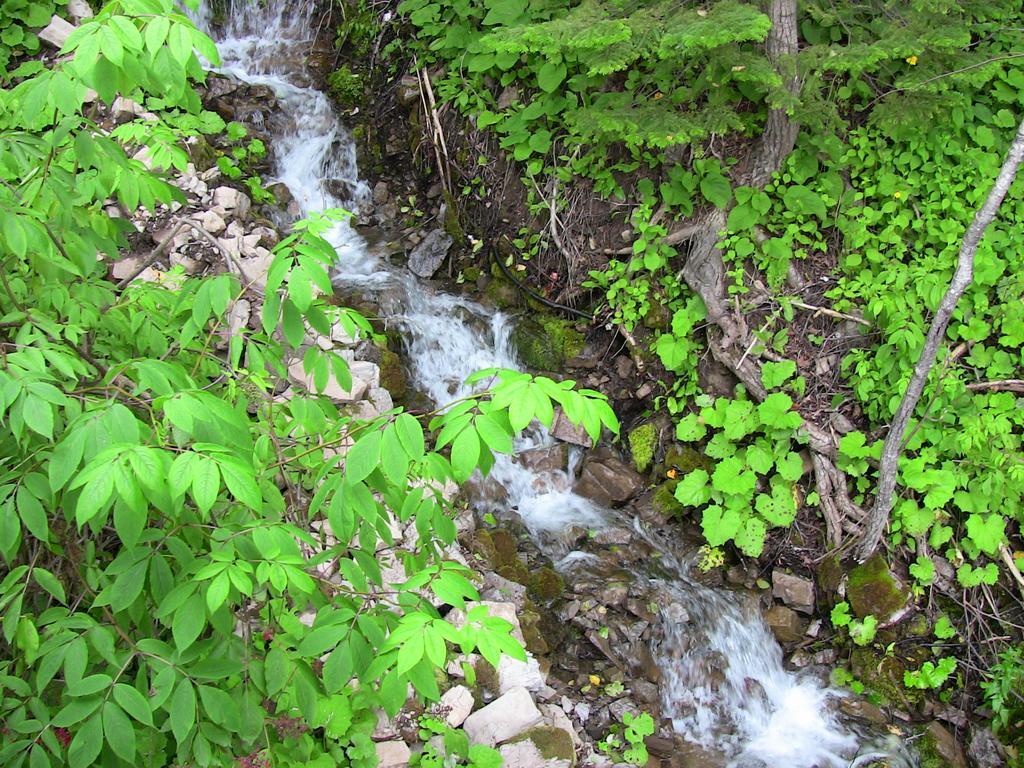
(556, 717)
(366, 371)
(381, 399)
(456, 705)
(238, 317)
(79, 9)
(57, 32)
(513, 673)
(254, 270)
(525, 754)
(504, 718)
(123, 110)
(231, 199)
(340, 335)
(392, 754)
(211, 221)
(235, 228)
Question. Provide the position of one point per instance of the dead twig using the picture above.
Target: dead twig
(830, 312)
(1003, 385)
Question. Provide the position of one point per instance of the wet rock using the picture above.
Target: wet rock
(675, 613)
(784, 624)
(937, 748)
(504, 718)
(872, 589)
(456, 705)
(563, 429)
(984, 750)
(392, 754)
(427, 257)
(552, 458)
(545, 343)
(612, 595)
(862, 710)
(613, 537)
(57, 32)
(607, 480)
(794, 591)
(381, 194)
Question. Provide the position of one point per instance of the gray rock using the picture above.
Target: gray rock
(381, 194)
(456, 705)
(513, 674)
(57, 32)
(504, 718)
(607, 480)
(211, 221)
(392, 754)
(552, 458)
(984, 749)
(430, 253)
(232, 200)
(526, 754)
(784, 623)
(794, 591)
(564, 430)
(79, 9)
(945, 745)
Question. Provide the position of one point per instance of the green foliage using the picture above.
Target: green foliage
(19, 22)
(167, 524)
(862, 631)
(930, 676)
(346, 86)
(1004, 693)
(643, 442)
(752, 485)
(626, 742)
(456, 752)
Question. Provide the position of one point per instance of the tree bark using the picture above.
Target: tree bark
(879, 514)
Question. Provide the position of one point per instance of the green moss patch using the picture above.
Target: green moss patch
(643, 442)
(545, 342)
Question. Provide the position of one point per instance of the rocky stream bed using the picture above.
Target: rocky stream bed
(570, 542)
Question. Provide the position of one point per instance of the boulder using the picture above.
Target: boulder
(57, 32)
(503, 719)
(794, 591)
(564, 430)
(540, 747)
(939, 747)
(607, 480)
(513, 673)
(211, 221)
(255, 269)
(334, 390)
(984, 749)
(381, 194)
(430, 253)
(392, 754)
(550, 458)
(456, 705)
(784, 624)
(872, 589)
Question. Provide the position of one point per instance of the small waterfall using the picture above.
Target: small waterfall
(724, 684)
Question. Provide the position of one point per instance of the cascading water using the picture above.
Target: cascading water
(753, 711)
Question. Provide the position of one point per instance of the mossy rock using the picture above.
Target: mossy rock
(346, 87)
(665, 502)
(533, 636)
(483, 545)
(392, 374)
(545, 342)
(829, 575)
(683, 459)
(937, 748)
(882, 675)
(872, 589)
(643, 442)
(502, 293)
(545, 584)
(552, 743)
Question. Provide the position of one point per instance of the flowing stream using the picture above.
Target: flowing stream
(760, 714)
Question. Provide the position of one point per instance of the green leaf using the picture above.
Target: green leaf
(410, 434)
(32, 514)
(119, 731)
(134, 703)
(800, 199)
(776, 374)
(791, 467)
(716, 190)
(205, 482)
(322, 639)
(189, 621)
(86, 745)
(363, 457)
(550, 76)
(693, 490)
(987, 532)
(690, 429)
(183, 710)
(775, 411)
(465, 454)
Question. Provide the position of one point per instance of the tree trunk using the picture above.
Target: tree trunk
(879, 514)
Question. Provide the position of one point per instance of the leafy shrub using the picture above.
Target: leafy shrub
(168, 524)
(752, 486)
(18, 24)
(346, 86)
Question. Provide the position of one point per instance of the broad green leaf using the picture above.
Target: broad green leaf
(120, 733)
(183, 710)
(134, 703)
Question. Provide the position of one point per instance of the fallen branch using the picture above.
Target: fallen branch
(962, 278)
(162, 247)
(1007, 557)
(830, 312)
(1003, 385)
